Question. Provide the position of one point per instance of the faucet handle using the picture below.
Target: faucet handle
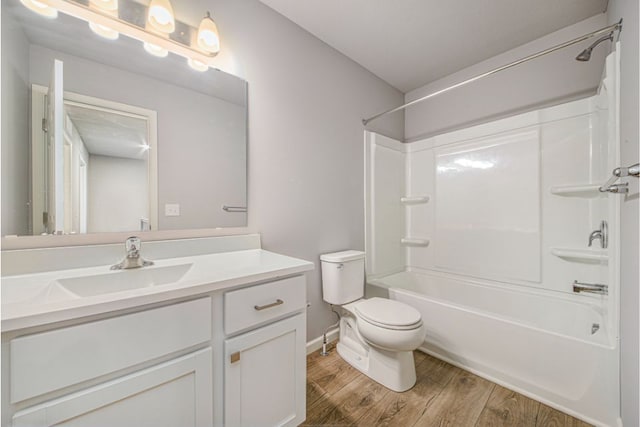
(602, 234)
(132, 245)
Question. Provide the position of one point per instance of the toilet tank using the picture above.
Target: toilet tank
(342, 277)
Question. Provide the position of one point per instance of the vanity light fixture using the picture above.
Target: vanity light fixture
(160, 16)
(153, 25)
(40, 8)
(208, 39)
(109, 7)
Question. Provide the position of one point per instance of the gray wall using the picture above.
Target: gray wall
(545, 81)
(629, 281)
(115, 186)
(306, 146)
(15, 129)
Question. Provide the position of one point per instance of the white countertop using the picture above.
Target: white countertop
(23, 308)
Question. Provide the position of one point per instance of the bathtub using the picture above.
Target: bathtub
(555, 350)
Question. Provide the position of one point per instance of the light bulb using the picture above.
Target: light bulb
(155, 50)
(103, 31)
(160, 16)
(40, 8)
(208, 39)
(197, 65)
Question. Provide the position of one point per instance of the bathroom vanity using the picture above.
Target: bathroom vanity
(212, 334)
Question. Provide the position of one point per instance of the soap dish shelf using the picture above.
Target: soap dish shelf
(414, 200)
(585, 190)
(581, 255)
(410, 241)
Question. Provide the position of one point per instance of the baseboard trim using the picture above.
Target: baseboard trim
(316, 343)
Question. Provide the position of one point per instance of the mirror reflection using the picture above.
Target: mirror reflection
(99, 136)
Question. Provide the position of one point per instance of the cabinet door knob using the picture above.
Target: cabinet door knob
(235, 357)
(264, 307)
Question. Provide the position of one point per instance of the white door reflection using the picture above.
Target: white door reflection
(108, 172)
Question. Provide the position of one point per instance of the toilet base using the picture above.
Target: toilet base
(393, 369)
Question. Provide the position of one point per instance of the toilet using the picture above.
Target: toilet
(377, 335)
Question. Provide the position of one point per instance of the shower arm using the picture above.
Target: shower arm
(609, 186)
(610, 29)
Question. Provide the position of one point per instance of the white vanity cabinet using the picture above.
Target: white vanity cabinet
(265, 368)
(221, 345)
(173, 392)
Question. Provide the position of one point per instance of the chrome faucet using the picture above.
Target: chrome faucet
(133, 258)
(601, 234)
(593, 288)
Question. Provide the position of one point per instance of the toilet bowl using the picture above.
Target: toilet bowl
(377, 335)
(389, 325)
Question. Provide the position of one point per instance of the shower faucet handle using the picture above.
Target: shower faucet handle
(601, 234)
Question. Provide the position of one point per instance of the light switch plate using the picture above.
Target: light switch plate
(171, 209)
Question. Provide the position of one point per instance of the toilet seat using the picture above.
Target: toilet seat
(388, 314)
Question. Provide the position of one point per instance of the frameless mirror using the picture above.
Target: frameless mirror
(99, 136)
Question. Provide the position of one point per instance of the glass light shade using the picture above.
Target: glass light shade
(110, 5)
(40, 8)
(208, 39)
(103, 31)
(155, 50)
(161, 17)
(197, 65)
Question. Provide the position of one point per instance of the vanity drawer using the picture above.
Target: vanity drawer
(48, 361)
(258, 304)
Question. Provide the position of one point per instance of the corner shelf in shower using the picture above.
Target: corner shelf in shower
(409, 241)
(581, 255)
(586, 190)
(414, 200)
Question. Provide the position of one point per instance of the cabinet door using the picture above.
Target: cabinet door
(172, 394)
(265, 376)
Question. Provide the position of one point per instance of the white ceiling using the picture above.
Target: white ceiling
(409, 43)
(110, 133)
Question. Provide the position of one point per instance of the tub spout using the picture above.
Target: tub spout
(593, 288)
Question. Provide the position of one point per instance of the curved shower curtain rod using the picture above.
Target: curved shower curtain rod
(610, 29)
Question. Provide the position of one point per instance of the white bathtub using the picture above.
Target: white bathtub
(539, 346)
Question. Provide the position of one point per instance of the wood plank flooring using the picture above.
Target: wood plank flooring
(444, 395)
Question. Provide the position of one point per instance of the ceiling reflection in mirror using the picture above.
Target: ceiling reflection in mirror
(100, 136)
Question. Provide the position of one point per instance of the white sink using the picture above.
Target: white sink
(123, 280)
(53, 292)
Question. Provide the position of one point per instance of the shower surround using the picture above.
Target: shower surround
(485, 229)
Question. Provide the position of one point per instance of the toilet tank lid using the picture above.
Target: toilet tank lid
(343, 256)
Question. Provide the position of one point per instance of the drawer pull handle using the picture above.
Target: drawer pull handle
(264, 307)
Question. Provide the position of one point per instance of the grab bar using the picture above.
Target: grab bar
(234, 208)
(623, 188)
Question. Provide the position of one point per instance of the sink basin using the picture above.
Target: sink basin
(124, 280)
(53, 292)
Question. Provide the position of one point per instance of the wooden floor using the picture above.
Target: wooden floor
(444, 395)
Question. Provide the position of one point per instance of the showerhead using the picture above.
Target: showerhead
(585, 55)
